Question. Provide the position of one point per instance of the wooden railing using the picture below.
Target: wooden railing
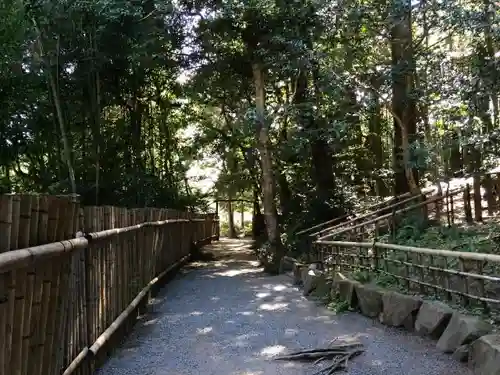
(465, 278)
(329, 225)
(64, 304)
(465, 203)
(368, 217)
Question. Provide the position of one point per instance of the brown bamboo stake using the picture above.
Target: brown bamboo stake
(31, 336)
(119, 258)
(71, 328)
(99, 212)
(21, 286)
(139, 247)
(82, 305)
(6, 202)
(55, 293)
(16, 212)
(43, 220)
(42, 292)
(63, 333)
(90, 294)
(11, 287)
(53, 217)
(132, 257)
(107, 271)
(61, 343)
(124, 260)
(10, 322)
(115, 266)
(3, 318)
(6, 211)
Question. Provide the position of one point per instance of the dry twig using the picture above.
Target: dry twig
(339, 355)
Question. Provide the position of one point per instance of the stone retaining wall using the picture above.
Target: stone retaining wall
(467, 338)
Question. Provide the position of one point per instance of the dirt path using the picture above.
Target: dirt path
(228, 318)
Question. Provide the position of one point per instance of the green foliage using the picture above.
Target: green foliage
(338, 306)
(328, 81)
(363, 276)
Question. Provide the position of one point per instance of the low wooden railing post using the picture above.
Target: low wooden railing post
(447, 197)
(467, 204)
(439, 203)
(478, 201)
(488, 187)
(375, 255)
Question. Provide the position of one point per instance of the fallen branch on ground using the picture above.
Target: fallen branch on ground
(339, 355)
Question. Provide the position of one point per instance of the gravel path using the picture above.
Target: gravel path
(227, 318)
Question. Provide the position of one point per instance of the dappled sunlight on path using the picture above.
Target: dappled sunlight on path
(227, 317)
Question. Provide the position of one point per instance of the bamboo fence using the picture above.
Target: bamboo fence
(65, 301)
(466, 278)
(463, 204)
(469, 279)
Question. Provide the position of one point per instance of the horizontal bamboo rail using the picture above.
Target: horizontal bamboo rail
(471, 205)
(328, 232)
(373, 207)
(63, 304)
(461, 277)
(391, 214)
(368, 211)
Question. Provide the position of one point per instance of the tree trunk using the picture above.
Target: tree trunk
(270, 213)
(403, 104)
(258, 222)
(322, 172)
(230, 219)
(374, 139)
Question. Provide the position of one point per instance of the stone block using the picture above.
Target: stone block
(462, 330)
(432, 319)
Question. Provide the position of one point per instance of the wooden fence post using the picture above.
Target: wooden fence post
(478, 201)
(467, 204)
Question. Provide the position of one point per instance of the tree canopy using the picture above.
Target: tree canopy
(304, 107)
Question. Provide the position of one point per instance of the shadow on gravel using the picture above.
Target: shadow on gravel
(226, 317)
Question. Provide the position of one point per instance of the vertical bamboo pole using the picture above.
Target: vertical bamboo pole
(43, 220)
(62, 345)
(56, 289)
(100, 249)
(10, 320)
(115, 249)
(37, 324)
(90, 293)
(122, 265)
(21, 286)
(82, 304)
(53, 214)
(6, 210)
(133, 257)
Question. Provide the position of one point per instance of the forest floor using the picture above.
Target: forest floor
(227, 317)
